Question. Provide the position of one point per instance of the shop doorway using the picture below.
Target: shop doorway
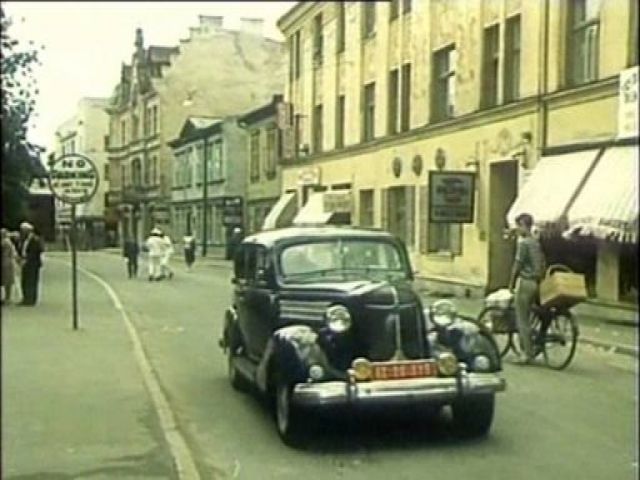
(503, 189)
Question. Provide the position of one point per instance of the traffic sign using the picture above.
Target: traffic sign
(73, 178)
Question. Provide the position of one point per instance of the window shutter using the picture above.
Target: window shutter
(384, 214)
(411, 210)
(456, 238)
(423, 217)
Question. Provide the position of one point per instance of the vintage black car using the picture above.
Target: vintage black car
(326, 316)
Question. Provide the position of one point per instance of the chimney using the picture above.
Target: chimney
(211, 22)
(252, 25)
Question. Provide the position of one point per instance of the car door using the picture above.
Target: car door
(241, 287)
(259, 301)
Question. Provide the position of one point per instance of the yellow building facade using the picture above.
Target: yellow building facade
(383, 93)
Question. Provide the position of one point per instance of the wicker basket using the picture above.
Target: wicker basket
(562, 288)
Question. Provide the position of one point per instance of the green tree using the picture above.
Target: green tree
(20, 158)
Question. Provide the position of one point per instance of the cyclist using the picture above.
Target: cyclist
(527, 271)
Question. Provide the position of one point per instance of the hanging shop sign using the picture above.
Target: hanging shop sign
(628, 103)
(451, 196)
(336, 202)
(309, 176)
(232, 211)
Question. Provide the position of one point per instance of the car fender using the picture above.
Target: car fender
(466, 339)
(230, 329)
(290, 349)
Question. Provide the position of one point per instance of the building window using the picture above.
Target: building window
(340, 27)
(254, 156)
(490, 64)
(340, 121)
(123, 176)
(392, 113)
(296, 55)
(188, 167)
(405, 106)
(147, 171)
(584, 19)
(444, 83)
(199, 164)
(106, 171)
(272, 153)
(445, 238)
(317, 129)
(368, 19)
(136, 172)
(317, 40)
(123, 132)
(135, 127)
(155, 120)
(369, 110)
(633, 33)
(406, 6)
(154, 170)
(366, 208)
(394, 9)
(400, 213)
(512, 59)
(146, 122)
(217, 171)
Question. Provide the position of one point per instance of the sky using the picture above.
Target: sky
(85, 44)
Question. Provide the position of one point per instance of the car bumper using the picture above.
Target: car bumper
(437, 390)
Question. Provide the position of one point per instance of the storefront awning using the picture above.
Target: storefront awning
(607, 205)
(553, 184)
(323, 207)
(281, 213)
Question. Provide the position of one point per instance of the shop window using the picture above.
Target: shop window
(369, 110)
(444, 84)
(629, 273)
(405, 105)
(317, 129)
(445, 238)
(512, 59)
(584, 36)
(366, 208)
(392, 111)
(490, 62)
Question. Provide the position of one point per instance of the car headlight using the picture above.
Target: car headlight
(443, 312)
(481, 363)
(338, 318)
(447, 364)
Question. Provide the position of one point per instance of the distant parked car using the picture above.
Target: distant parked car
(326, 316)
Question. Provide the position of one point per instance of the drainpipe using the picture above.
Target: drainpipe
(543, 79)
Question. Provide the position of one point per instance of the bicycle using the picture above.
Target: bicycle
(557, 342)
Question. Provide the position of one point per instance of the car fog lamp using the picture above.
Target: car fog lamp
(316, 372)
(481, 363)
(362, 369)
(447, 364)
(338, 318)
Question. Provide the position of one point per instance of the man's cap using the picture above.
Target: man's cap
(156, 231)
(26, 226)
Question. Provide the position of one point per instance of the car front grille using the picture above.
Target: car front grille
(304, 310)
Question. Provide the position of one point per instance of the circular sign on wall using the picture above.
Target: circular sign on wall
(73, 178)
(396, 166)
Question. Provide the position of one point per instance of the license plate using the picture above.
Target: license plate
(407, 369)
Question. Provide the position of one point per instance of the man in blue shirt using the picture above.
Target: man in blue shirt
(527, 271)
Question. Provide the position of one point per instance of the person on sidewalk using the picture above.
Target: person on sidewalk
(527, 271)
(9, 258)
(31, 249)
(189, 242)
(17, 266)
(130, 252)
(167, 251)
(155, 249)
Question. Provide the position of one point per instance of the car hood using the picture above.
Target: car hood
(372, 291)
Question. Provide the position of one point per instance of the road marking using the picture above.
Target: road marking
(182, 458)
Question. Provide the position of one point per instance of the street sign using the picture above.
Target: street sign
(73, 178)
(451, 197)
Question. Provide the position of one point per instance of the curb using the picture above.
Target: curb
(627, 350)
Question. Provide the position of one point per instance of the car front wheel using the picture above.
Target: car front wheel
(472, 416)
(288, 416)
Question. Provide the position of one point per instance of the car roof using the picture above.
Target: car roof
(272, 237)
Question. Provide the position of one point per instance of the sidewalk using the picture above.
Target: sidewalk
(74, 401)
(602, 326)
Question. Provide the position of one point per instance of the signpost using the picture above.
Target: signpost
(73, 179)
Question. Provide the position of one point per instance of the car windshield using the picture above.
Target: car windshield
(342, 259)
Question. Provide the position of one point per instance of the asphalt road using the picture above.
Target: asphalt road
(576, 424)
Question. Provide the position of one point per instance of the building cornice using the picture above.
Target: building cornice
(298, 11)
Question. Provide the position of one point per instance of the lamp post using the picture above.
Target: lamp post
(205, 181)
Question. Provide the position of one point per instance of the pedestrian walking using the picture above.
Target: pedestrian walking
(17, 266)
(155, 249)
(189, 242)
(167, 251)
(527, 271)
(9, 259)
(31, 249)
(130, 251)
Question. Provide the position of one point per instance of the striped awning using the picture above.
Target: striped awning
(313, 212)
(607, 205)
(551, 187)
(281, 213)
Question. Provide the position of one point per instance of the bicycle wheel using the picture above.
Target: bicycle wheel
(493, 319)
(560, 341)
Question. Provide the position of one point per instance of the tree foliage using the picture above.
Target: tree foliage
(20, 158)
